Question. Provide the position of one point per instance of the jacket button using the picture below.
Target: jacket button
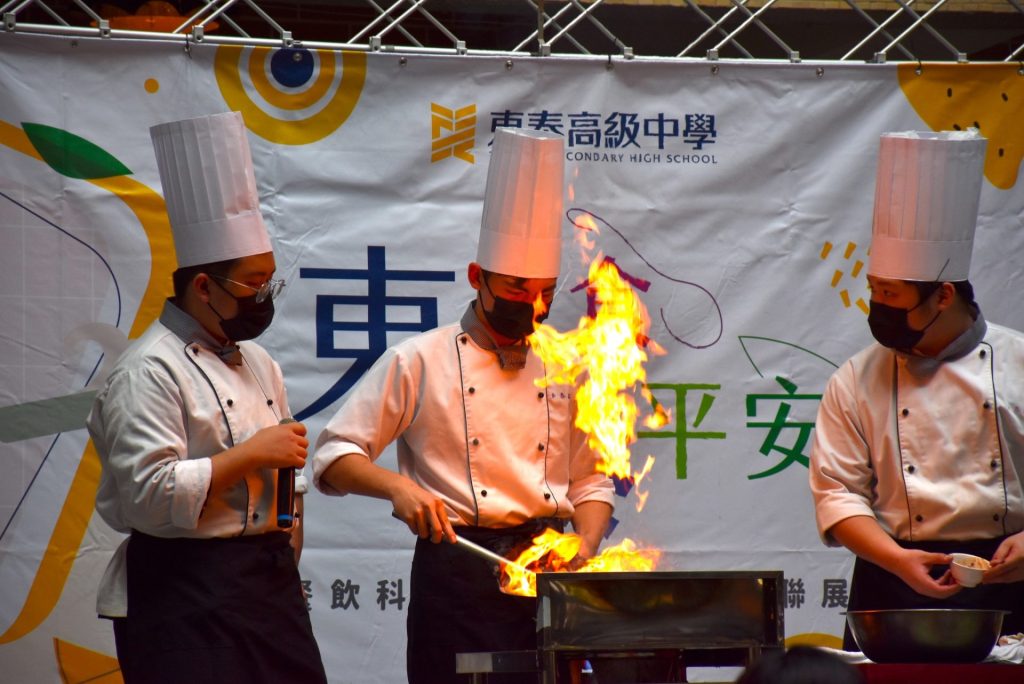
(540, 395)
(911, 468)
(919, 518)
(270, 402)
(195, 351)
(994, 464)
(987, 404)
(230, 402)
(462, 339)
(483, 492)
(540, 447)
(476, 441)
(255, 516)
(906, 412)
(547, 497)
(472, 390)
(996, 517)
(982, 353)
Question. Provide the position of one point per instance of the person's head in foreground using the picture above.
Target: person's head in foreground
(800, 665)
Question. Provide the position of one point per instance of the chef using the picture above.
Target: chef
(919, 442)
(188, 431)
(483, 453)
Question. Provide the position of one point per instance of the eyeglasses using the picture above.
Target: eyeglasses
(271, 288)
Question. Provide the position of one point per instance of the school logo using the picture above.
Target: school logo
(290, 96)
(452, 132)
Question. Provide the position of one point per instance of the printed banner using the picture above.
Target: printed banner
(735, 196)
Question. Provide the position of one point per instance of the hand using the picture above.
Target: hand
(913, 566)
(424, 513)
(279, 446)
(1007, 562)
(577, 562)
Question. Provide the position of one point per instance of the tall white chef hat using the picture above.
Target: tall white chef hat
(926, 205)
(520, 232)
(210, 189)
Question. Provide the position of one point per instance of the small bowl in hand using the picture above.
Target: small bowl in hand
(968, 570)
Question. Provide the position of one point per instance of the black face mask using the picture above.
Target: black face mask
(251, 320)
(509, 318)
(890, 327)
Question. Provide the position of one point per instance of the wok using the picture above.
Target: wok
(926, 635)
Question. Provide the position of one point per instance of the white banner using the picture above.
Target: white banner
(736, 196)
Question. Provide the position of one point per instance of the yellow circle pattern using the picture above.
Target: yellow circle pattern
(339, 106)
(307, 98)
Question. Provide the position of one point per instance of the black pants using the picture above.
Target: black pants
(873, 588)
(215, 610)
(455, 605)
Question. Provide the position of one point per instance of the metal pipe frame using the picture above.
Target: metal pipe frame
(415, 4)
(714, 25)
(543, 21)
(391, 18)
(919, 21)
(369, 27)
(752, 17)
(878, 28)
(624, 49)
(401, 29)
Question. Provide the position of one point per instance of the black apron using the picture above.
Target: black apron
(455, 605)
(216, 610)
(873, 588)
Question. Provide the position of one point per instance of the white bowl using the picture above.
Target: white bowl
(968, 570)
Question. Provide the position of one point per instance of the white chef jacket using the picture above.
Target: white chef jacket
(496, 448)
(169, 404)
(933, 448)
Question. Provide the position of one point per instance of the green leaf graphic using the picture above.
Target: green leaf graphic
(72, 156)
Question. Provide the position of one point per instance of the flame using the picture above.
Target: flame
(540, 307)
(661, 416)
(604, 358)
(608, 352)
(638, 480)
(554, 551)
(586, 237)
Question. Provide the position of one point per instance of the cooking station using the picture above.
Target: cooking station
(635, 625)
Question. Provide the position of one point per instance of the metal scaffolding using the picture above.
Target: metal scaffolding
(892, 30)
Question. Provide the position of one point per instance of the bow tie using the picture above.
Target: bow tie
(230, 355)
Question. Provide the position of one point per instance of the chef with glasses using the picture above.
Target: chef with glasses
(193, 432)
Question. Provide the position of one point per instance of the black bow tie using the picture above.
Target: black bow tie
(230, 354)
(512, 357)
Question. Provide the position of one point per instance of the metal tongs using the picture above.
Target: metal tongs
(484, 553)
(490, 555)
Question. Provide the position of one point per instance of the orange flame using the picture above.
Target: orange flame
(539, 306)
(556, 552)
(661, 416)
(586, 237)
(608, 352)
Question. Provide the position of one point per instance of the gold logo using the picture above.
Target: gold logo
(452, 132)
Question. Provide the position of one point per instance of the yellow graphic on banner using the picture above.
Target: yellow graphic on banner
(78, 665)
(452, 132)
(150, 210)
(989, 97)
(290, 96)
(814, 639)
(840, 276)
